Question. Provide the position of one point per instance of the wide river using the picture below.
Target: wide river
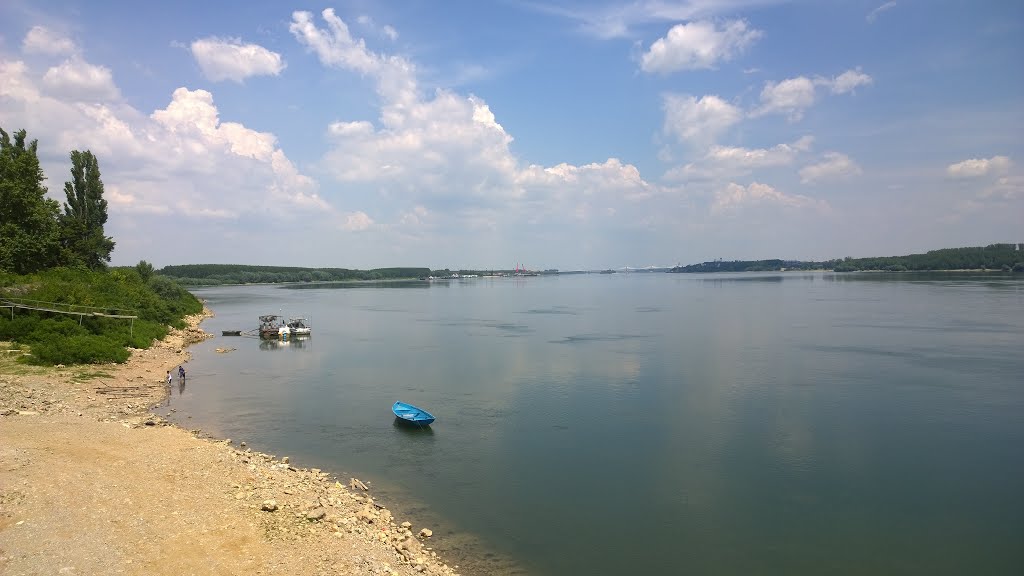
(796, 423)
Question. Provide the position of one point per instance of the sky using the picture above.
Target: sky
(567, 134)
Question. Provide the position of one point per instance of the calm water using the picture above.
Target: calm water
(654, 423)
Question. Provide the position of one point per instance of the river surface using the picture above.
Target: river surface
(796, 423)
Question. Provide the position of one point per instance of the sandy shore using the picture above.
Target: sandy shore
(92, 482)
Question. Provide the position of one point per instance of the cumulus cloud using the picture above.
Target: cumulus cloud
(443, 155)
(356, 221)
(795, 95)
(42, 40)
(833, 166)
(736, 196)
(976, 167)
(846, 82)
(181, 159)
(723, 161)
(76, 79)
(231, 59)
(698, 121)
(790, 97)
(697, 45)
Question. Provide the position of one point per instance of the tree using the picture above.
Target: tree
(29, 239)
(145, 270)
(85, 213)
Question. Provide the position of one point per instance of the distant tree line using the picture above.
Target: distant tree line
(755, 266)
(1004, 257)
(35, 234)
(217, 274)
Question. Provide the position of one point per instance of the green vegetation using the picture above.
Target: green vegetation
(755, 266)
(34, 235)
(53, 260)
(1003, 257)
(216, 274)
(65, 339)
(85, 213)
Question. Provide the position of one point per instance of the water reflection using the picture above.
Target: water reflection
(293, 342)
(351, 285)
(412, 430)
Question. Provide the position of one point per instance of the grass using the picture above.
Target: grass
(86, 376)
(14, 361)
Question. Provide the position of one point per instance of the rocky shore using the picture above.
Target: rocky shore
(92, 482)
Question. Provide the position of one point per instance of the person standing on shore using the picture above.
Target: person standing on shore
(168, 377)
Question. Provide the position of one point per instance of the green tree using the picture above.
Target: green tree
(29, 239)
(145, 270)
(85, 213)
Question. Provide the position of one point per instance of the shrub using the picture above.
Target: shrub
(61, 339)
(79, 349)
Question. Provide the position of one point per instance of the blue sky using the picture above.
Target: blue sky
(555, 134)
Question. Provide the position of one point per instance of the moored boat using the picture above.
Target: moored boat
(299, 327)
(412, 414)
(270, 326)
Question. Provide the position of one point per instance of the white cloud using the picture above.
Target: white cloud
(179, 160)
(833, 166)
(231, 59)
(846, 82)
(790, 97)
(442, 158)
(42, 40)
(1004, 188)
(735, 197)
(721, 161)
(390, 32)
(76, 79)
(873, 15)
(976, 167)
(696, 45)
(795, 95)
(356, 221)
(698, 121)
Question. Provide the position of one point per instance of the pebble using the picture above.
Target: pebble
(316, 514)
(269, 506)
(426, 533)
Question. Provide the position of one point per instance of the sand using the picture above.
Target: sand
(92, 482)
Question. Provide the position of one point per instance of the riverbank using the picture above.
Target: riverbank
(92, 482)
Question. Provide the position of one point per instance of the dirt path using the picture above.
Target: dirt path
(92, 483)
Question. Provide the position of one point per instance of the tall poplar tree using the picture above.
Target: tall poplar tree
(85, 213)
(29, 239)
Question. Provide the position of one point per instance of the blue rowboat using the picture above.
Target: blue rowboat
(412, 414)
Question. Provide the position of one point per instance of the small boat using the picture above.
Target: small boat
(231, 333)
(270, 326)
(412, 414)
(299, 326)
